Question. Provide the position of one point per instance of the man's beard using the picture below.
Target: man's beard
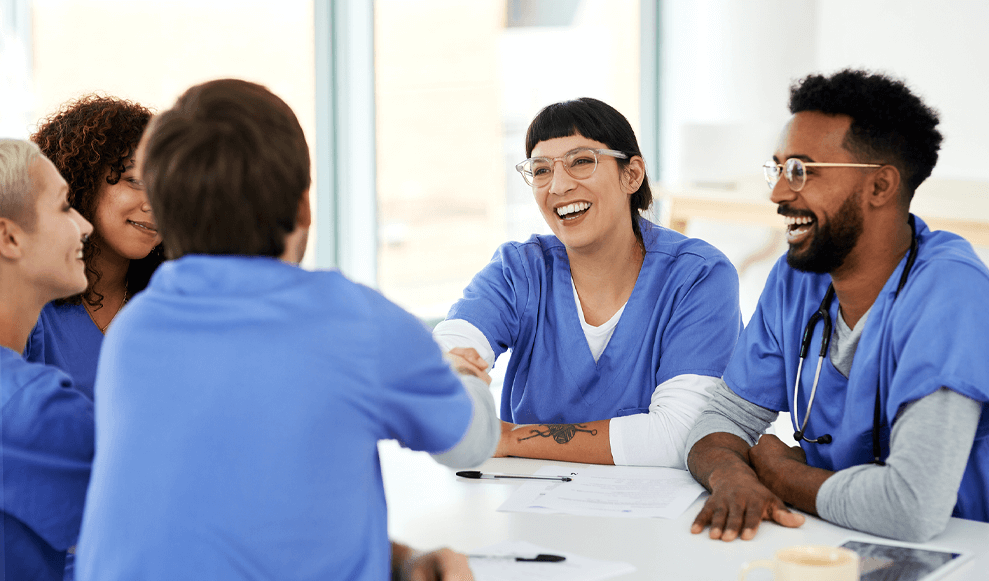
(833, 241)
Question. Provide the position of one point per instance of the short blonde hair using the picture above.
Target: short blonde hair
(17, 201)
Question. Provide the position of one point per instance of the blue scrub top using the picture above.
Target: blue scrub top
(67, 338)
(682, 318)
(932, 336)
(46, 431)
(240, 404)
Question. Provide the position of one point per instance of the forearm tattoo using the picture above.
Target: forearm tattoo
(562, 433)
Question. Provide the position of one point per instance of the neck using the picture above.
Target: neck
(20, 307)
(113, 274)
(605, 277)
(861, 278)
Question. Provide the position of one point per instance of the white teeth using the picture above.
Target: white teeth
(572, 208)
(140, 226)
(796, 221)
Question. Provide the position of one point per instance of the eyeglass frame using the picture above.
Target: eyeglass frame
(782, 170)
(552, 163)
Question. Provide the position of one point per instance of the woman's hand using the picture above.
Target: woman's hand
(440, 565)
(465, 360)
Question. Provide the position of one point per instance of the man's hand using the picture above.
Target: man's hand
(465, 360)
(774, 461)
(439, 565)
(784, 471)
(738, 504)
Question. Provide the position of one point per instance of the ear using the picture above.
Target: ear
(11, 239)
(633, 175)
(885, 187)
(303, 217)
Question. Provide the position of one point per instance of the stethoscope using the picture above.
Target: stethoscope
(823, 314)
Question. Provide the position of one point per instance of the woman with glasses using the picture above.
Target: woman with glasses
(92, 142)
(616, 326)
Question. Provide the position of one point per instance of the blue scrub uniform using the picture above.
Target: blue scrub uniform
(240, 401)
(933, 335)
(46, 430)
(682, 318)
(67, 338)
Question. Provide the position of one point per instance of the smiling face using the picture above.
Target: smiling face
(123, 217)
(825, 218)
(588, 212)
(53, 249)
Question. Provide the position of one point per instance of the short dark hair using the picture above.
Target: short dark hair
(595, 120)
(225, 169)
(889, 123)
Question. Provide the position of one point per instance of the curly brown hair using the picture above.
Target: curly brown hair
(86, 138)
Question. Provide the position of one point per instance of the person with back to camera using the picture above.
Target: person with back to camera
(907, 352)
(46, 424)
(249, 450)
(617, 326)
(91, 141)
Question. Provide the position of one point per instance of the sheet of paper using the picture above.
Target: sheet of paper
(619, 491)
(575, 568)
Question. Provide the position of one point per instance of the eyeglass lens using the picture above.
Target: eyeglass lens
(580, 164)
(793, 169)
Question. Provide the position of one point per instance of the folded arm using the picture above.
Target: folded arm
(912, 497)
(718, 457)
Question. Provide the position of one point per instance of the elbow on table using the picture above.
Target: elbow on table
(920, 528)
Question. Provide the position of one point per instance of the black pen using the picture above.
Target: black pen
(540, 558)
(477, 474)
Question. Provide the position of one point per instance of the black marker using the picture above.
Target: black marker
(476, 475)
(540, 558)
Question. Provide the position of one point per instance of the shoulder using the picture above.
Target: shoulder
(16, 375)
(687, 260)
(945, 255)
(660, 240)
(539, 251)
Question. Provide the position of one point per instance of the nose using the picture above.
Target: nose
(562, 182)
(85, 228)
(781, 191)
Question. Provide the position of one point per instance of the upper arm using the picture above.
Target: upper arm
(705, 323)
(48, 442)
(757, 370)
(496, 298)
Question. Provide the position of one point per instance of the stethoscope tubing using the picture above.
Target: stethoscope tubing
(823, 314)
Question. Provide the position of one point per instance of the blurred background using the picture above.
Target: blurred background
(416, 109)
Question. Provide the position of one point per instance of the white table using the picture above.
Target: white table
(429, 507)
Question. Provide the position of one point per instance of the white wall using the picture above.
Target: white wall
(727, 66)
(941, 49)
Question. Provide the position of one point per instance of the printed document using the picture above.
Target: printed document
(619, 491)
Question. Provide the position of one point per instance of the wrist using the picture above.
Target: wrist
(730, 474)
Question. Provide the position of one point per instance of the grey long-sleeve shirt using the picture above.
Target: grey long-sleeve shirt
(910, 498)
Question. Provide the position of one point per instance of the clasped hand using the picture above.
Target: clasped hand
(465, 360)
(742, 496)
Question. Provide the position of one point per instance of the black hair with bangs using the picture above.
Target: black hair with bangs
(595, 120)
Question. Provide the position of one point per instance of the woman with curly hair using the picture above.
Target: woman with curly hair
(92, 141)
